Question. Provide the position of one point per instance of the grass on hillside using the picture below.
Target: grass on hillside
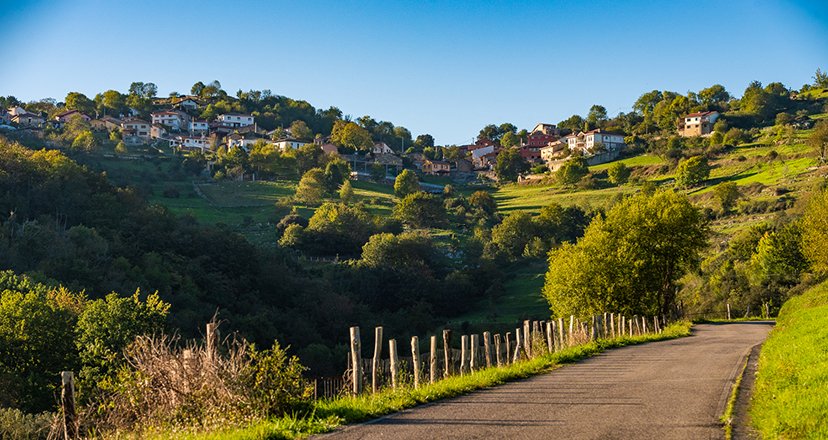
(790, 397)
(328, 414)
(532, 198)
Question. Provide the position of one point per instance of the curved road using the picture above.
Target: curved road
(673, 389)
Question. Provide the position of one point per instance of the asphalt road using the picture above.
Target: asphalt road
(673, 389)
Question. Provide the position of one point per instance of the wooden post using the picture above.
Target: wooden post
(593, 331)
(571, 330)
(212, 341)
(415, 359)
(527, 338)
(432, 361)
(508, 347)
(728, 311)
(561, 333)
(474, 362)
(375, 362)
(464, 342)
(67, 400)
(392, 354)
(447, 352)
(516, 356)
(498, 360)
(487, 348)
(356, 361)
(550, 336)
(612, 325)
(644, 323)
(630, 322)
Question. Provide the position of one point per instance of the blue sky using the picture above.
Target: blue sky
(444, 68)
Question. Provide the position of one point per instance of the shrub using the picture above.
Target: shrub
(692, 171)
(17, 425)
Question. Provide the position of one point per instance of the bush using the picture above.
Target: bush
(17, 425)
(692, 171)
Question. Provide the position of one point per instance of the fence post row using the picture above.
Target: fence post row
(67, 400)
(532, 339)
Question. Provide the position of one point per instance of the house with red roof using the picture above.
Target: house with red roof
(697, 124)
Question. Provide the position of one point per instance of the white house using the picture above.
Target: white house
(586, 141)
(381, 148)
(191, 142)
(477, 155)
(199, 126)
(697, 124)
(553, 150)
(235, 120)
(135, 131)
(186, 102)
(290, 144)
(158, 131)
(245, 140)
(28, 120)
(176, 120)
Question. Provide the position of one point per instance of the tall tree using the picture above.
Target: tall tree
(509, 165)
(406, 183)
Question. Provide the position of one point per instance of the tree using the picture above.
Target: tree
(726, 193)
(408, 250)
(421, 210)
(424, 140)
(300, 130)
(692, 171)
(78, 101)
(346, 192)
(311, 187)
(815, 231)
(509, 139)
(406, 183)
(121, 148)
(821, 78)
(509, 165)
(572, 171)
(336, 172)
(778, 259)
(819, 139)
(113, 102)
(597, 115)
(618, 173)
(85, 141)
(350, 135)
(513, 234)
(629, 262)
(483, 202)
(714, 96)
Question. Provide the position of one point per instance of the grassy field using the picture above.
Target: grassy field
(789, 399)
(532, 198)
(636, 161)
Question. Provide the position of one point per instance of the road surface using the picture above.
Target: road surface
(673, 389)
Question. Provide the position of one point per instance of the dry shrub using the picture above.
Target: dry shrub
(164, 385)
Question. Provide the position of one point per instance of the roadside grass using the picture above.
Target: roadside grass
(727, 416)
(328, 414)
(790, 397)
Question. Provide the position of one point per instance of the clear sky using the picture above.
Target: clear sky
(444, 68)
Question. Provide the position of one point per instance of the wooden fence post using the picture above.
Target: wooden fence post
(487, 348)
(498, 360)
(550, 336)
(212, 341)
(375, 362)
(356, 361)
(464, 342)
(415, 359)
(571, 330)
(447, 352)
(612, 325)
(561, 333)
(508, 347)
(527, 338)
(392, 354)
(474, 353)
(728, 311)
(67, 400)
(644, 323)
(432, 361)
(516, 356)
(630, 322)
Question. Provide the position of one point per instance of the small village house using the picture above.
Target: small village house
(199, 126)
(135, 131)
(290, 144)
(28, 120)
(106, 123)
(436, 167)
(174, 119)
(381, 148)
(66, 116)
(235, 120)
(553, 150)
(587, 142)
(697, 124)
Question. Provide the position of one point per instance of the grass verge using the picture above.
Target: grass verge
(328, 414)
(790, 398)
(727, 417)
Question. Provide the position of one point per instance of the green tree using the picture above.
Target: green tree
(85, 141)
(513, 234)
(483, 202)
(350, 135)
(692, 171)
(346, 192)
(509, 139)
(821, 78)
(618, 173)
(106, 327)
(715, 96)
(311, 187)
(815, 231)
(120, 148)
(336, 172)
(406, 183)
(819, 139)
(629, 262)
(421, 210)
(408, 250)
(78, 101)
(509, 165)
(778, 258)
(300, 130)
(597, 115)
(572, 171)
(727, 193)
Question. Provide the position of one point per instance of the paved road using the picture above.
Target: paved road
(663, 390)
